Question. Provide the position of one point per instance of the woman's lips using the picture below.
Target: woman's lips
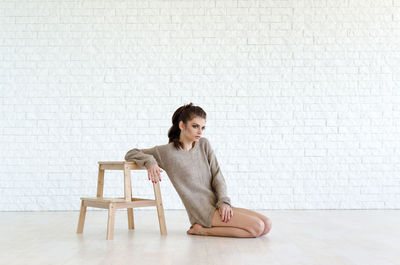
(197, 137)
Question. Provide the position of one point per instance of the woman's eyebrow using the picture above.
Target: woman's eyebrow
(198, 124)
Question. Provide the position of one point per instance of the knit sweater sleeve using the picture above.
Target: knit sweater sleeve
(218, 181)
(145, 157)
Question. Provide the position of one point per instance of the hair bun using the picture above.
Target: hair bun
(187, 105)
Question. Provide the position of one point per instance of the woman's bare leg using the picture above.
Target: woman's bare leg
(197, 229)
(240, 225)
(267, 221)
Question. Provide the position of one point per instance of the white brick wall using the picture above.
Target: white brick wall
(302, 97)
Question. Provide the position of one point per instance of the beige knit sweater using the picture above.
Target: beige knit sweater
(195, 174)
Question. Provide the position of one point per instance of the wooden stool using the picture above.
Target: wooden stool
(112, 204)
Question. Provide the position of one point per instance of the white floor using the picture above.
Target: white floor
(338, 237)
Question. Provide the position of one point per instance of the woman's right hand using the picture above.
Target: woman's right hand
(154, 173)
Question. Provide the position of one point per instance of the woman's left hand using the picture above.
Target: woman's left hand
(226, 212)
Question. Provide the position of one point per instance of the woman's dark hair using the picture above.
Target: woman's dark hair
(185, 113)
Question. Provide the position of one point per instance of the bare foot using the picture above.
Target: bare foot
(196, 229)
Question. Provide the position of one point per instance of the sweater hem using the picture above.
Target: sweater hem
(210, 217)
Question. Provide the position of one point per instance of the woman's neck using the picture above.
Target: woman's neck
(187, 145)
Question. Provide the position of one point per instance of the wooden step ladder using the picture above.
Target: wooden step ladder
(128, 202)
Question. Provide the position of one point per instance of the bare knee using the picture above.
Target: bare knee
(267, 226)
(257, 228)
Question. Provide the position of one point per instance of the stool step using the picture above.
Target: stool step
(103, 199)
(117, 165)
(106, 199)
(117, 203)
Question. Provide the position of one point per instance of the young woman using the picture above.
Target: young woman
(193, 169)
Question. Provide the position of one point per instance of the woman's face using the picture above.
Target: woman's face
(193, 129)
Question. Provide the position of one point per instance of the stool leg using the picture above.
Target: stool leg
(82, 215)
(128, 195)
(160, 208)
(100, 182)
(131, 222)
(110, 222)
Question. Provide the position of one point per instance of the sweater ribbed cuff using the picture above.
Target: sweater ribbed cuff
(150, 163)
(222, 201)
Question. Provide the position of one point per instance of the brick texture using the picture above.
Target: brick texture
(302, 97)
